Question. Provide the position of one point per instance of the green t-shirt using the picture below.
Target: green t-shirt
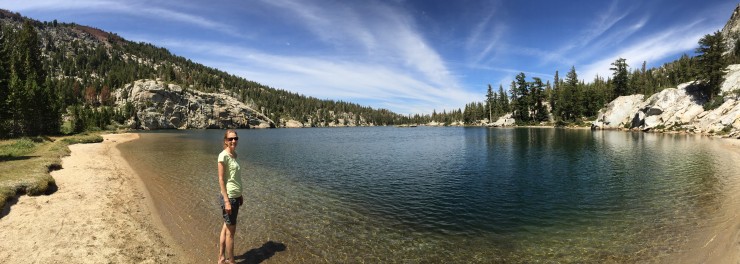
(232, 177)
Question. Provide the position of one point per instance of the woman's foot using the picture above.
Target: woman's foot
(221, 260)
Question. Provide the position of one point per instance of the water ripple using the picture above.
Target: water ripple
(449, 194)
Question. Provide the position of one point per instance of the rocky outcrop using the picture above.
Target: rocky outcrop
(731, 31)
(157, 105)
(619, 112)
(332, 119)
(503, 121)
(677, 109)
(292, 124)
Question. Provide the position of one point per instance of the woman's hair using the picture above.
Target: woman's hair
(226, 135)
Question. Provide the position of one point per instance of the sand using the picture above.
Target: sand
(101, 213)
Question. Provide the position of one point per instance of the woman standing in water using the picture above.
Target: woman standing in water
(230, 182)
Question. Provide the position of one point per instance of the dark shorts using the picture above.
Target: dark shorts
(230, 219)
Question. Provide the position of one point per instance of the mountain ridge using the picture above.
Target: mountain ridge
(79, 57)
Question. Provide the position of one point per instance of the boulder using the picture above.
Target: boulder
(619, 112)
(504, 121)
(293, 124)
(435, 123)
(654, 110)
(651, 122)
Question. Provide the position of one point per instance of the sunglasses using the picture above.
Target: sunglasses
(233, 139)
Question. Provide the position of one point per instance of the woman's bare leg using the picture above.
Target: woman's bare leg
(222, 245)
(230, 230)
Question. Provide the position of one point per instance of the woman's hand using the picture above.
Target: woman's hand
(227, 206)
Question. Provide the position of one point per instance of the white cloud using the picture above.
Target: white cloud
(386, 33)
(651, 48)
(486, 34)
(598, 27)
(133, 8)
(331, 78)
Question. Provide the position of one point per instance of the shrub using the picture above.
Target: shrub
(725, 130)
(714, 103)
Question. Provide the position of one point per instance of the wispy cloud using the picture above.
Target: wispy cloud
(615, 38)
(330, 77)
(389, 37)
(651, 48)
(387, 34)
(132, 8)
(486, 34)
(597, 28)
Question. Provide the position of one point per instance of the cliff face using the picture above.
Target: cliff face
(677, 109)
(156, 105)
(731, 30)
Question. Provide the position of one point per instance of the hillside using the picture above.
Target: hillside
(87, 65)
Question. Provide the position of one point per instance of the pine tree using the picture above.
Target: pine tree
(490, 100)
(621, 77)
(540, 111)
(711, 63)
(503, 100)
(523, 99)
(4, 91)
(555, 94)
(32, 105)
(570, 99)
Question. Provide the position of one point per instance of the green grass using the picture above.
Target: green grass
(25, 163)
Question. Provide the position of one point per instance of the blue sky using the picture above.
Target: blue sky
(406, 56)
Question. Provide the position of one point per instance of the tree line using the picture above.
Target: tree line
(29, 104)
(570, 100)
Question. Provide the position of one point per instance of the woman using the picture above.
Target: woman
(230, 182)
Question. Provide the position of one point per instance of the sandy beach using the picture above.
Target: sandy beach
(101, 213)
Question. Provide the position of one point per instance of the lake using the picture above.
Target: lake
(448, 194)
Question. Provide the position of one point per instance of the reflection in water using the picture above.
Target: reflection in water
(444, 194)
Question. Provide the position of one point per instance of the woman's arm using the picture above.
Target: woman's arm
(222, 185)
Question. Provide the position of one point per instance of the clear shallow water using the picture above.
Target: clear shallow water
(419, 195)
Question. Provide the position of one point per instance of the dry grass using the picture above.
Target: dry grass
(25, 163)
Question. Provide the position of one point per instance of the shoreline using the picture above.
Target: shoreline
(101, 213)
(721, 244)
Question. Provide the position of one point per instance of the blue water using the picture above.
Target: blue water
(465, 195)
